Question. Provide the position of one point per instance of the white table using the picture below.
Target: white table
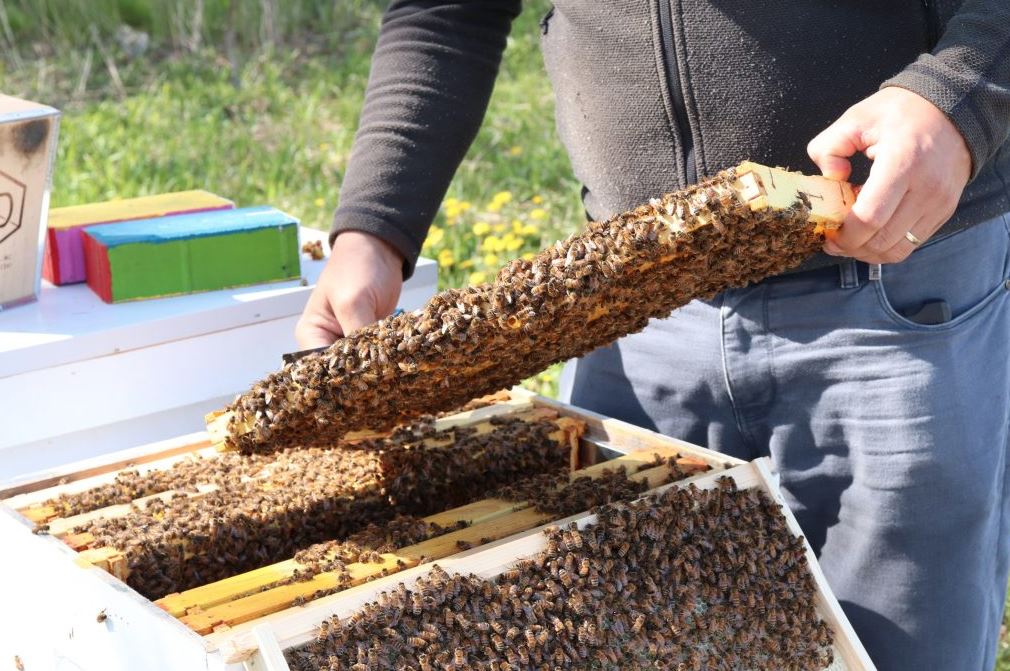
(79, 377)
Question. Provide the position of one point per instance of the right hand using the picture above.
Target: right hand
(360, 284)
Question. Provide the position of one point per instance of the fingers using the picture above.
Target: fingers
(354, 310)
(833, 146)
(318, 326)
(876, 205)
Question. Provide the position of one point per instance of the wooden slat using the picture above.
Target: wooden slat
(479, 515)
(628, 437)
(34, 505)
(55, 483)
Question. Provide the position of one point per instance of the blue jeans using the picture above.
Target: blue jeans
(890, 436)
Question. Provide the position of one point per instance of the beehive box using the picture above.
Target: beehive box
(231, 624)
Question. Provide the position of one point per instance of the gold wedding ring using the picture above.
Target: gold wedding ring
(911, 238)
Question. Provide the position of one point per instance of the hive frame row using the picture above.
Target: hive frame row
(262, 645)
(145, 636)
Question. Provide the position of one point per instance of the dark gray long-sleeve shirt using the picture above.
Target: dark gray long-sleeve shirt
(653, 94)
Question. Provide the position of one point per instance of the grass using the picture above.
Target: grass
(258, 100)
(272, 122)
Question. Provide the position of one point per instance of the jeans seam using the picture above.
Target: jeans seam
(737, 418)
(769, 348)
(1001, 597)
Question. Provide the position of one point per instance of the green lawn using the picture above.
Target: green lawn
(258, 101)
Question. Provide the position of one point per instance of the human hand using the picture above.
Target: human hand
(921, 165)
(360, 283)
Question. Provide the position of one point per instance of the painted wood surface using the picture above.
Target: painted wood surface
(64, 254)
(190, 253)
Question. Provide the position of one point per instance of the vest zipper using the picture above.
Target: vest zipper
(931, 22)
(672, 70)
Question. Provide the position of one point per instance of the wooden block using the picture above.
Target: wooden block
(188, 253)
(761, 187)
(64, 257)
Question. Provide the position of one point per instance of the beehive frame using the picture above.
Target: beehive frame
(53, 570)
(268, 639)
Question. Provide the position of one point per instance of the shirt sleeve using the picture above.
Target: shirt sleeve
(967, 76)
(432, 74)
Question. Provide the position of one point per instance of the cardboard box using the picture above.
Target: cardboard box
(28, 134)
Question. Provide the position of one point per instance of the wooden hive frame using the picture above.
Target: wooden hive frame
(233, 606)
(266, 640)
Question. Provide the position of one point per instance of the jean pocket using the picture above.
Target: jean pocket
(967, 270)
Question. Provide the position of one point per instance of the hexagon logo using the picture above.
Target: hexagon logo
(12, 205)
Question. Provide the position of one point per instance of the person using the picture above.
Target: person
(877, 376)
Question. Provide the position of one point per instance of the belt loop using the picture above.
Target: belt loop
(848, 275)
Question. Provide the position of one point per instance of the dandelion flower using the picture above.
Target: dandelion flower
(491, 260)
(515, 150)
(537, 200)
(477, 277)
(538, 214)
(446, 258)
(492, 243)
(481, 228)
(319, 202)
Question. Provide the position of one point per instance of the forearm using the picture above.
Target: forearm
(432, 75)
(967, 76)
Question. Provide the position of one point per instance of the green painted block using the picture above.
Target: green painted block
(204, 252)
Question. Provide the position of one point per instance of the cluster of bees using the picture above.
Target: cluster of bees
(271, 508)
(690, 579)
(583, 493)
(577, 295)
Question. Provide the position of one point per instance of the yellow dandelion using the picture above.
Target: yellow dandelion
(477, 277)
(493, 206)
(517, 226)
(451, 202)
(491, 260)
(530, 229)
(499, 228)
(464, 205)
(465, 264)
(435, 236)
(512, 243)
(492, 243)
(538, 213)
(515, 150)
(481, 228)
(503, 197)
(446, 258)
(537, 200)
(529, 256)
(319, 202)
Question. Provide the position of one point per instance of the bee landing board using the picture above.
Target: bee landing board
(742, 225)
(192, 628)
(366, 608)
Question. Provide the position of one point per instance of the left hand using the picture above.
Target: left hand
(921, 165)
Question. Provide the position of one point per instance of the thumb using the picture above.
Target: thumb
(833, 146)
(355, 310)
